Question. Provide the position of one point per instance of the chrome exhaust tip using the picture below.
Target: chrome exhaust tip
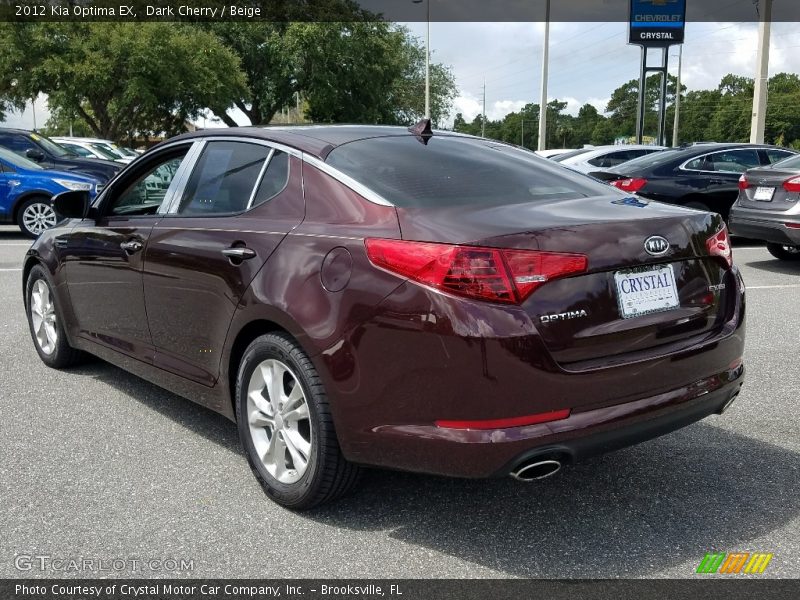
(536, 469)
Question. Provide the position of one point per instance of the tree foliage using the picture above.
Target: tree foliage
(115, 76)
(125, 78)
(722, 114)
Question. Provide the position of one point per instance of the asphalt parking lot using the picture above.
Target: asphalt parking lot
(97, 463)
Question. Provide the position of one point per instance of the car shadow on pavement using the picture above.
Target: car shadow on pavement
(781, 267)
(205, 422)
(637, 511)
(640, 510)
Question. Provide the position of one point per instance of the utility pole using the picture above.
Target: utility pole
(676, 124)
(427, 58)
(483, 117)
(543, 101)
(762, 73)
(522, 134)
(33, 111)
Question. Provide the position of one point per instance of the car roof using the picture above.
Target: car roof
(317, 140)
(15, 130)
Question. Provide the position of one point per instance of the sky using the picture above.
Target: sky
(587, 62)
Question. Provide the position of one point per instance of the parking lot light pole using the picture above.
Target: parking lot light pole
(427, 57)
(543, 102)
(762, 75)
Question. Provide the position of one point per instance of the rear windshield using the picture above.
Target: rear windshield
(571, 153)
(452, 170)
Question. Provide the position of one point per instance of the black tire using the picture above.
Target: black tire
(61, 355)
(43, 204)
(328, 474)
(784, 252)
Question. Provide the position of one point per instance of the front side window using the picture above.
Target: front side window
(734, 161)
(224, 178)
(17, 143)
(147, 192)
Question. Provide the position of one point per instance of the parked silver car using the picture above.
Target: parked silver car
(768, 207)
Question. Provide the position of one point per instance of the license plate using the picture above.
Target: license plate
(641, 292)
(764, 194)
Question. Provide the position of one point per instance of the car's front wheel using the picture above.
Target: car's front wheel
(36, 215)
(285, 425)
(784, 252)
(44, 320)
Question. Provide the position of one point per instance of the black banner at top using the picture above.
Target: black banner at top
(390, 10)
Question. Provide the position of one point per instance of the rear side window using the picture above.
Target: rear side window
(275, 178)
(224, 178)
(774, 156)
(792, 162)
(450, 171)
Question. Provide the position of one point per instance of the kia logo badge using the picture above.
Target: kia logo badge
(656, 245)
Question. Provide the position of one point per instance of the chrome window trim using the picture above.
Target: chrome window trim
(354, 185)
(260, 177)
(104, 190)
(682, 167)
(173, 196)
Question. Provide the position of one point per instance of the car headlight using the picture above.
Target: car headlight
(75, 186)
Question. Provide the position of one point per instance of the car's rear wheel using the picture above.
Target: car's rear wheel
(285, 425)
(44, 320)
(36, 215)
(784, 252)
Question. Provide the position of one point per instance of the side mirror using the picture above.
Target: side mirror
(35, 154)
(71, 205)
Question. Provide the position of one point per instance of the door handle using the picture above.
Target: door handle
(239, 253)
(131, 247)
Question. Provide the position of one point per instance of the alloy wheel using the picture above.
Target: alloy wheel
(38, 217)
(43, 317)
(279, 421)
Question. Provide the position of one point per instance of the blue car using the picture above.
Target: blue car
(26, 191)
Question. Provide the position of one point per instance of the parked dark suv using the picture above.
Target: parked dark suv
(50, 155)
(373, 296)
(703, 176)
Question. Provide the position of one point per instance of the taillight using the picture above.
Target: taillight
(630, 185)
(492, 274)
(719, 245)
(792, 185)
(743, 183)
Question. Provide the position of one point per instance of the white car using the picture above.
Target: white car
(93, 148)
(604, 157)
(553, 152)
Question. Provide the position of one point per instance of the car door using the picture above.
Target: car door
(103, 255)
(240, 201)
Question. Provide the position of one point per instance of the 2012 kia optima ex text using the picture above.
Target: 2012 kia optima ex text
(399, 298)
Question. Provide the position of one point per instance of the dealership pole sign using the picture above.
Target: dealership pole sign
(657, 22)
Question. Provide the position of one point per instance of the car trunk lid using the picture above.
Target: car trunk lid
(584, 320)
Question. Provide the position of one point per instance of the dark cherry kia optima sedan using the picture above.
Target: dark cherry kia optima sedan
(378, 296)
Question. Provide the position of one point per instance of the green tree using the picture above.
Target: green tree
(116, 76)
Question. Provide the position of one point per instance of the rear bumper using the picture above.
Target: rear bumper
(395, 376)
(491, 453)
(759, 225)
